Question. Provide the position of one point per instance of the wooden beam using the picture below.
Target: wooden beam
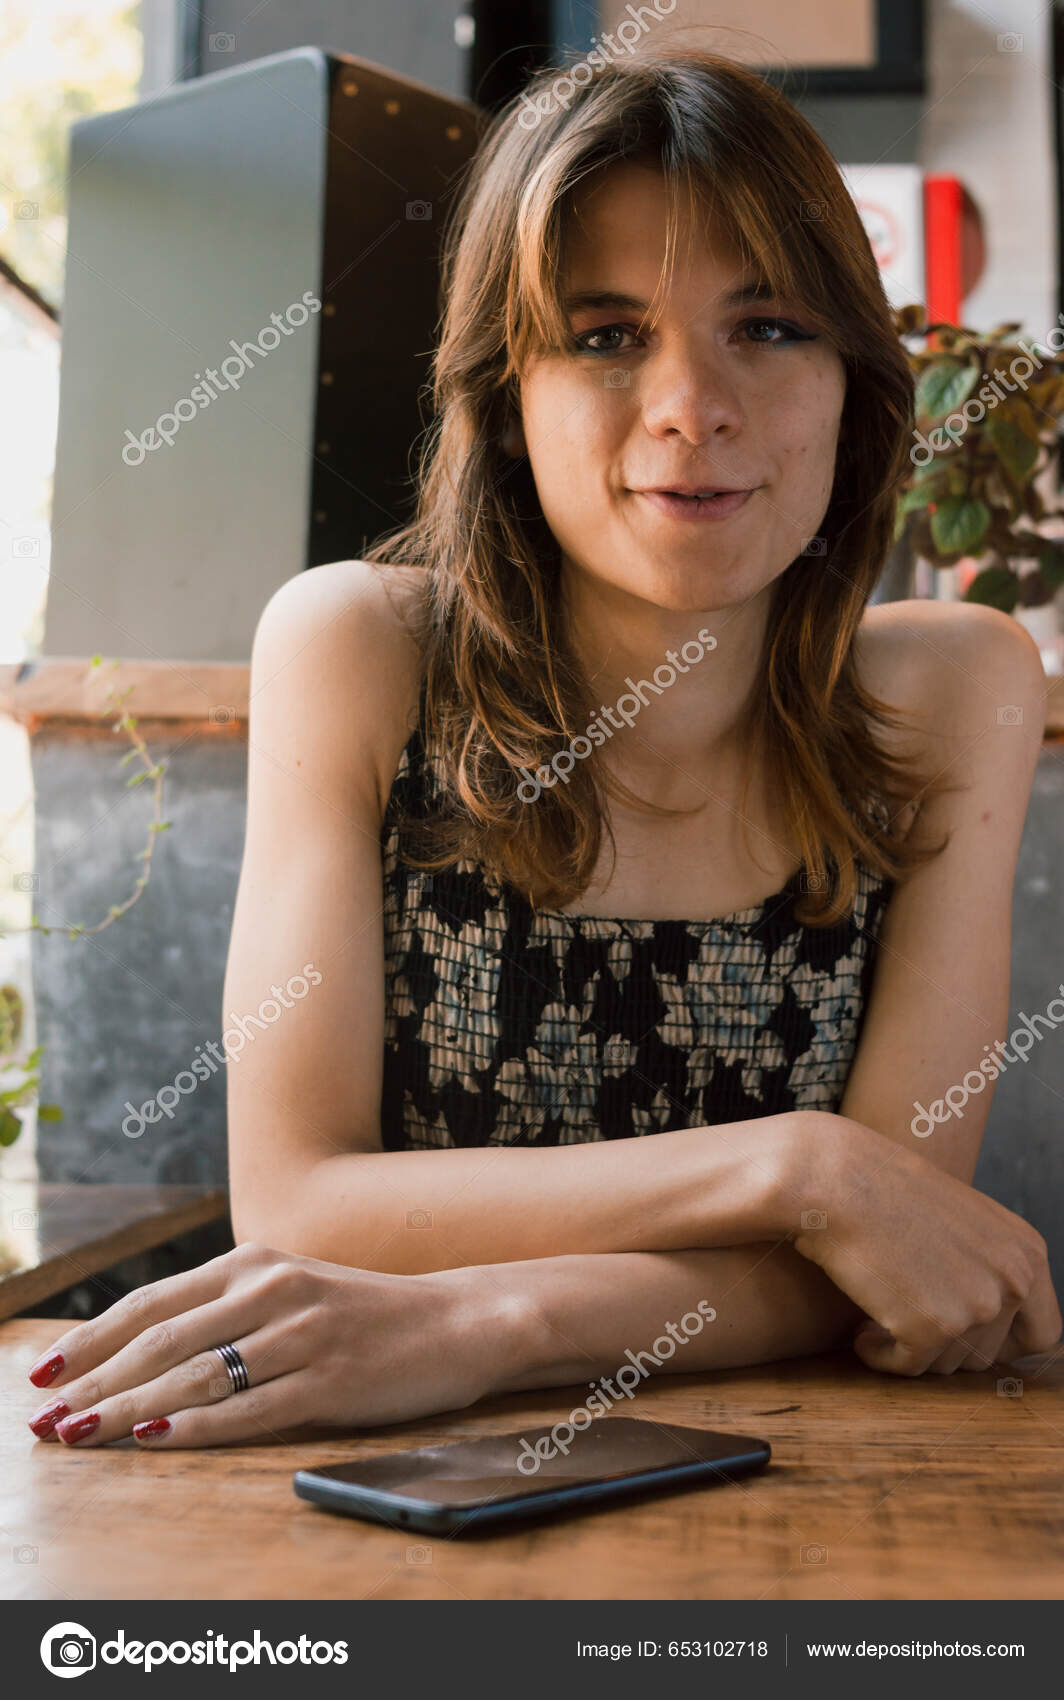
(56, 688)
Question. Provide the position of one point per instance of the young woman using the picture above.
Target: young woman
(641, 883)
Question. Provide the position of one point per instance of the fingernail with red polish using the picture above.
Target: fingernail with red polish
(47, 1417)
(148, 1430)
(46, 1369)
(76, 1428)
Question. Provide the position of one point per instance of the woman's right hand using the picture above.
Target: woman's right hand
(953, 1279)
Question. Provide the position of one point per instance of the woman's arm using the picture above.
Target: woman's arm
(349, 1348)
(940, 998)
(411, 1212)
(569, 1320)
(954, 1279)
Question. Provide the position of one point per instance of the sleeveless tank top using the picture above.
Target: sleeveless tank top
(506, 1025)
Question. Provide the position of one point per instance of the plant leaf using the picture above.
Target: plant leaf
(958, 525)
(1014, 446)
(919, 495)
(1019, 412)
(10, 1127)
(49, 1113)
(1051, 562)
(944, 387)
(997, 587)
(11, 1011)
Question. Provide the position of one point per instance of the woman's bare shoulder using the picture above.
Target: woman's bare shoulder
(343, 634)
(956, 670)
(932, 659)
(355, 592)
(974, 685)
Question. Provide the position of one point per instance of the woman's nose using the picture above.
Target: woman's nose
(690, 392)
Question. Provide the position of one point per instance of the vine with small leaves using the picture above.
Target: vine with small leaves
(26, 1087)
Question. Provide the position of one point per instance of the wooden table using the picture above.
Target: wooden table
(53, 1234)
(926, 1488)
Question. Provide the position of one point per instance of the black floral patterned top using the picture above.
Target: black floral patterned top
(510, 1026)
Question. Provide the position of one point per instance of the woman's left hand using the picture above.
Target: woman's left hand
(323, 1345)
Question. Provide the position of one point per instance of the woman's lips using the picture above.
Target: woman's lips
(696, 508)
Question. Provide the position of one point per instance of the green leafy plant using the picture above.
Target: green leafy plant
(975, 493)
(20, 1076)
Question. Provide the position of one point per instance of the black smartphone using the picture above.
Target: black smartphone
(501, 1477)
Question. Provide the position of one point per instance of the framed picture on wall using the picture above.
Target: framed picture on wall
(814, 46)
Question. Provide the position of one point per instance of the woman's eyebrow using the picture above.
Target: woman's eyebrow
(758, 289)
(604, 298)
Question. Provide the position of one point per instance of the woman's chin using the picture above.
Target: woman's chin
(703, 592)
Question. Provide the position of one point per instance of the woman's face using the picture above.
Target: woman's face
(722, 393)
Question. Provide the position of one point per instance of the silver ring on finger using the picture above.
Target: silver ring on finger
(235, 1368)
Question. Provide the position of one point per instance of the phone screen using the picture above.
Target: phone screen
(536, 1461)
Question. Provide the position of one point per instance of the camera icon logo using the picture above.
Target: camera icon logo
(26, 548)
(617, 378)
(221, 714)
(419, 1555)
(1009, 1387)
(814, 1555)
(221, 43)
(1010, 714)
(814, 1219)
(25, 1554)
(815, 546)
(419, 1218)
(68, 1649)
(420, 210)
(814, 210)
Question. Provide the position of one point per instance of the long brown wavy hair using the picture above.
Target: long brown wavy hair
(503, 688)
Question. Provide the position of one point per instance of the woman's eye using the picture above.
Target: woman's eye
(764, 332)
(787, 332)
(583, 339)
